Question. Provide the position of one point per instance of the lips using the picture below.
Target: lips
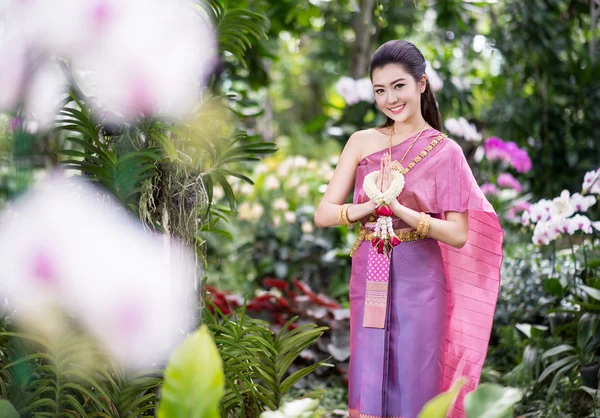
(397, 109)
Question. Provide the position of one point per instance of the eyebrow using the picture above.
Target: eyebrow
(393, 82)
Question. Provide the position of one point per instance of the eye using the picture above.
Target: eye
(399, 86)
(379, 91)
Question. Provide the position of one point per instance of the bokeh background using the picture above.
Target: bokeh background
(209, 131)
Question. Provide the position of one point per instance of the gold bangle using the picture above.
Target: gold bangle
(345, 219)
(421, 223)
(425, 230)
(340, 216)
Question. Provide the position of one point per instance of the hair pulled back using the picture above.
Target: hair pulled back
(411, 59)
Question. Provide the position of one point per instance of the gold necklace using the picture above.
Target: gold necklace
(397, 165)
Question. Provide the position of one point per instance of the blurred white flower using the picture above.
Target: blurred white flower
(300, 408)
(346, 87)
(65, 246)
(218, 193)
(272, 182)
(579, 223)
(307, 227)
(303, 190)
(47, 89)
(299, 161)
(540, 211)
(277, 221)
(280, 204)
(364, 89)
(250, 211)
(561, 206)
(146, 62)
(246, 189)
(260, 168)
(290, 217)
(461, 127)
(591, 182)
(293, 181)
(322, 188)
(435, 82)
(582, 203)
(543, 233)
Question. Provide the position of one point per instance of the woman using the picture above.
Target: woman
(423, 291)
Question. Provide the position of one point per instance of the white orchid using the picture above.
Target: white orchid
(591, 182)
(561, 206)
(121, 69)
(462, 128)
(65, 246)
(579, 223)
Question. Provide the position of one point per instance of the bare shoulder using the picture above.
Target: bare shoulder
(360, 142)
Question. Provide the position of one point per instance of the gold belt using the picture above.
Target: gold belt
(366, 234)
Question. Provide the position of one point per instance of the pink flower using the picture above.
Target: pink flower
(495, 149)
(395, 241)
(520, 161)
(507, 181)
(380, 246)
(489, 189)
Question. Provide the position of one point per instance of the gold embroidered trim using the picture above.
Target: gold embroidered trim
(420, 155)
(365, 234)
(377, 286)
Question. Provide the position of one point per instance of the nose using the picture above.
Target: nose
(392, 98)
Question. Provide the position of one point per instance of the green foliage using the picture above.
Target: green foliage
(67, 376)
(7, 410)
(491, 401)
(193, 382)
(96, 154)
(440, 405)
(257, 361)
(236, 27)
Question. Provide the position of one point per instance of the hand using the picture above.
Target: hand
(385, 176)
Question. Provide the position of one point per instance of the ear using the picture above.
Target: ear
(422, 83)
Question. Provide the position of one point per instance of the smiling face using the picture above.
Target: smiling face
(397, 93)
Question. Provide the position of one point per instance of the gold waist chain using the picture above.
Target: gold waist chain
(365, 234)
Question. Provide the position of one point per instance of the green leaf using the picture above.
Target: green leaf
(554, 287)
(7, 410)
(594, 293)
(438, 407)
(555, 366)
(194, 382)
(492, 401)
(563, 348)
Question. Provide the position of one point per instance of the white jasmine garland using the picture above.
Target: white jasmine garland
(376, 195)
(384, 228)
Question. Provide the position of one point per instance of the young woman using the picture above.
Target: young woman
(425, 269)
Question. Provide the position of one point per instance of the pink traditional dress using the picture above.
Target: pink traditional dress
(421, 319)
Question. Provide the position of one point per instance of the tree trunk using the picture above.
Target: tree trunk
(363, 27)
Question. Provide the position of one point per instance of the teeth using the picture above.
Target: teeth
(396, 108)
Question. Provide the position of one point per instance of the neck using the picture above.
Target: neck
(408, 128)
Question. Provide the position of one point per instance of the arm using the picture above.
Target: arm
(339, 187)
(454, 230)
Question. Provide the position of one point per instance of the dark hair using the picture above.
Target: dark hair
(408, 56)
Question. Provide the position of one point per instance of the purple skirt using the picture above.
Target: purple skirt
(395, 371)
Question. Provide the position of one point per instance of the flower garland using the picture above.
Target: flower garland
(384, 237)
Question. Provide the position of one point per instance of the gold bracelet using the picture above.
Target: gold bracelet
(425, 230)
(421, 223)
(345, 220)
(340, 215)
